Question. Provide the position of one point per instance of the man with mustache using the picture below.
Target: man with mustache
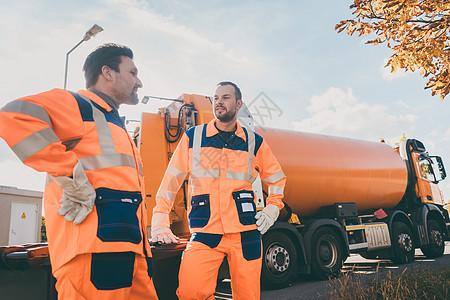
(222, 159)
(95, 215)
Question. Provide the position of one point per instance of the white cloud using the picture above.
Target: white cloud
(339, 112)
(142, 18)
(402, 104)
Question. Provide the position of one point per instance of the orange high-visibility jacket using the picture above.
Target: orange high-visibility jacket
(51, 132)
(221, 199)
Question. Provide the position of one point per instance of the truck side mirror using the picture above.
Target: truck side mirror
(438, 167)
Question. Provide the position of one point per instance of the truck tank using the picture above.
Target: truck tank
(322, 170)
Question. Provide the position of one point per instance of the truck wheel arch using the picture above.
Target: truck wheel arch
(431, 211)
(316, 224)
(296, 238)
(400, 216)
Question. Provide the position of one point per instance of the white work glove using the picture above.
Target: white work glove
(266, 217)
(161, 232)
(78, 196)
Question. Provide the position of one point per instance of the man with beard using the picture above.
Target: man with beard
(222, 159)
(96, 220)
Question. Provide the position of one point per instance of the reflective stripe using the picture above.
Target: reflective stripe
(166, 195)
(273, 189)
(251, 150)
(176, 172)
(34, 143)
(105, 138)
(274, 178)
(28, 108)
(240, 176)
(196, 146)
(196, 172)
(141, 169)
(103, 161)
(205, 173)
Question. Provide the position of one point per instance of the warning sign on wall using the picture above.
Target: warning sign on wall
(24, 216)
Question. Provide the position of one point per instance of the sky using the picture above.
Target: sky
(288, 51)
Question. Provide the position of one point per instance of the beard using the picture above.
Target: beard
(226, 117)
(134, 98)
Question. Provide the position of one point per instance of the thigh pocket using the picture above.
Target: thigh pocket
(117, 219)
(200, 211)
(251, 244)
(246, 206)
(111, 271)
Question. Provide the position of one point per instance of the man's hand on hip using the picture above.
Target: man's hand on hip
(266, 217)
(78, 196)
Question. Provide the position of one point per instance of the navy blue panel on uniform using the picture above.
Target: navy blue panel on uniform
(236, 143)
(258, 142)
(149, 267)
(111, 116)
(209, 239)
(200, 211)
(214, 142)
(112, 270)
(84, 106)
(251, 244)
(190, 134)
(117, 219)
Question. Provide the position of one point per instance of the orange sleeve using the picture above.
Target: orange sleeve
(35, 127)
(174, 177)
(271, 174)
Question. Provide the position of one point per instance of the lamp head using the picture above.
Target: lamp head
(92, 32)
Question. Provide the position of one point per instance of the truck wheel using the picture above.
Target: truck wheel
(402, 243)
(367, 255)
(436, 236)
(327, 253)
(279, 260)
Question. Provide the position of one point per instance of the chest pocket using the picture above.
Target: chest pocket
(246, 206)
(117, 215)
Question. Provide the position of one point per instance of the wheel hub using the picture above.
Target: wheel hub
(436, 238)
(277, 258)
(405, 242)
(327, 254)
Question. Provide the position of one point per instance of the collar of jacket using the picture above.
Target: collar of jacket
(212, 130)
(98, 100)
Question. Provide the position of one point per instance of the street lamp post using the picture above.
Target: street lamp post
(89, 34)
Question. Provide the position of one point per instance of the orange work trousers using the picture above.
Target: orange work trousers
(203, 256)
(105, 276)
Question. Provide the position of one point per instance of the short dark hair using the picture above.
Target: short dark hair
(104, 55)
(237, 91)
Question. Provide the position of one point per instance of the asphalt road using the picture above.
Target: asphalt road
(305, 287)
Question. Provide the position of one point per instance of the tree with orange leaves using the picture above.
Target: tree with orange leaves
(416, 30)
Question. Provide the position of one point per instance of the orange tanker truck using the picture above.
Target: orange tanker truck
(342, 195)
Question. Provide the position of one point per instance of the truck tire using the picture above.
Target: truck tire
(327, 253)
(436, 237)
(279, 260)
(367, 255)
(402, 243)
